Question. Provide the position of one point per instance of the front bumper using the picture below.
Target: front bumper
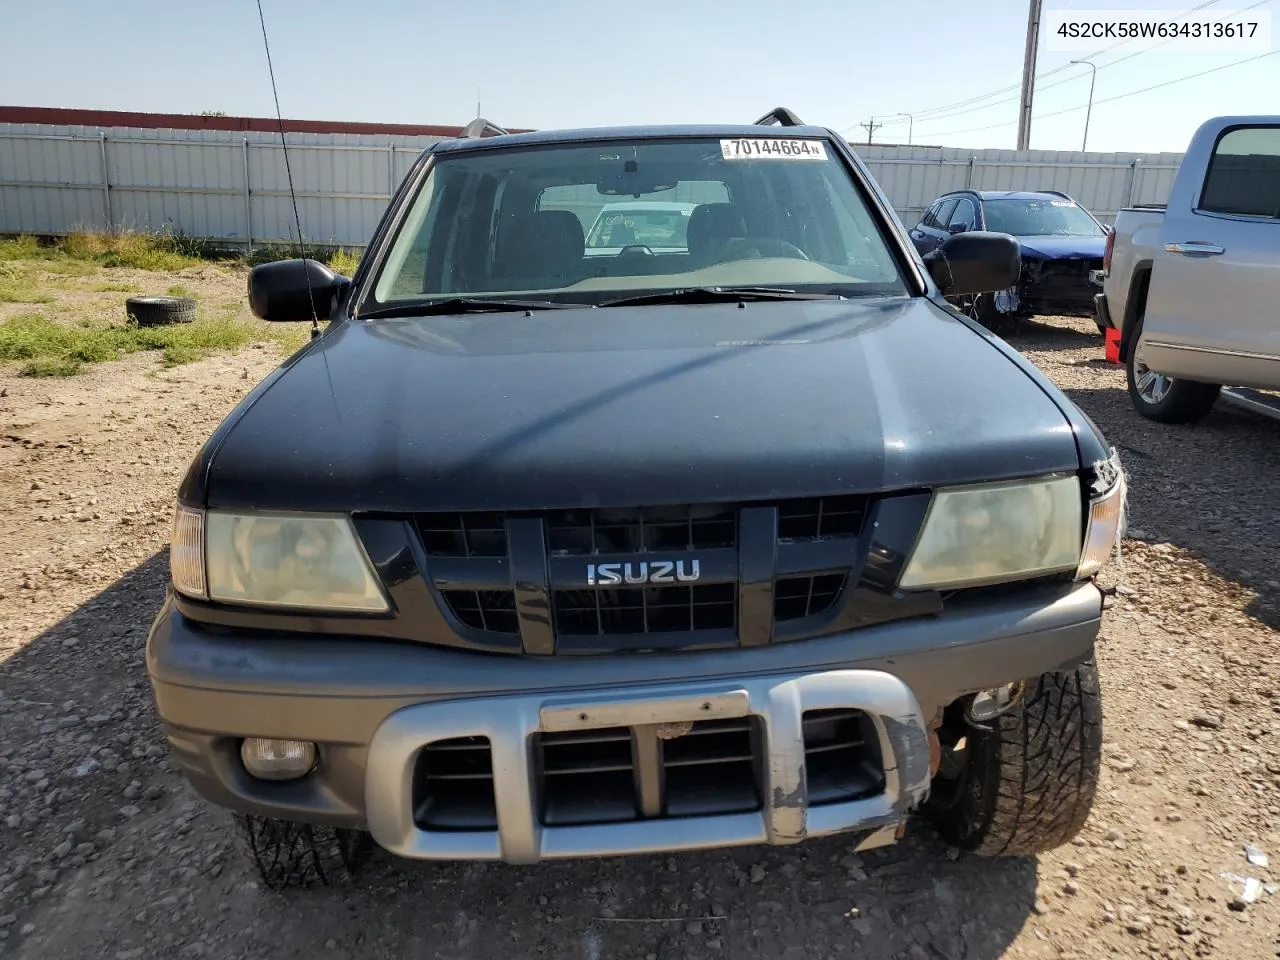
(373, 706)
(1101, 313)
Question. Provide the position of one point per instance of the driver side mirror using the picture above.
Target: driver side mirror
(975, 261)
(955, 228)
(293, 291)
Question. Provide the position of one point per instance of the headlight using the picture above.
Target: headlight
(995, 532)
(301, 561)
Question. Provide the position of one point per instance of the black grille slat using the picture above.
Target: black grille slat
(842, 756)
(477, 534)
(641, 610)
(587, 777)
(453, 786)
(797, 597)
(712, 769)
(490, 610)
(643, 530)
(818, 518)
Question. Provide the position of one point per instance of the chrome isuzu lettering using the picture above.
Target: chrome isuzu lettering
(646, 571)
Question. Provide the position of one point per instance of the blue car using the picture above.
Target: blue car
(1061, 243)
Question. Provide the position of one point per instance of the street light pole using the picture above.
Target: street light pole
(1089, 109)
(911, 122)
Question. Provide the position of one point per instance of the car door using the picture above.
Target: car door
(1211, 310)
(963, 216)
(934, 229)
(918, 233)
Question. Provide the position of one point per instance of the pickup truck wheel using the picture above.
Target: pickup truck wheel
(1026, 783)
(1166, 399)
(287, 854)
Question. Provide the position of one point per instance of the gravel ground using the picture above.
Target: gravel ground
(105, 852)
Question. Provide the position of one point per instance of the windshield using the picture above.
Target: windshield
(1040, 218)
(589, 223)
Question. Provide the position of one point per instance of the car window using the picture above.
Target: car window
(944, 213)
(930, 218)
(588, 222)
(1040, 217)
(964, 214)
(1244, 174)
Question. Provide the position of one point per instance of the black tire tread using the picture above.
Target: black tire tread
(1186, 402)
(287, 854)
(1035, 772)
(160, 311)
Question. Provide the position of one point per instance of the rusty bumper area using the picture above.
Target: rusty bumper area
(777, 704)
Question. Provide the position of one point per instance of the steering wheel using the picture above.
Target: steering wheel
(635, 249)
(742, 248)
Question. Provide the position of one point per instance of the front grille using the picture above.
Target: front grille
(795, 598)
(453, 786)
(841, 756)
(648, 529)
(592, 776)
(530, 579)
(712, 769)
(463, 534)
(645, 610)
(587, 777)
(491, 610)
(820, 517)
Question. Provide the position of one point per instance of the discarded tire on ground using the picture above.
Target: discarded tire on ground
(159, 311)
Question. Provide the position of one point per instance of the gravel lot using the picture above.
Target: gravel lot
(105, 852)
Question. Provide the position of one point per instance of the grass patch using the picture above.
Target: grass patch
(180, 291)
(53, 350)
(344, 262)
(21, 290)
(80, 253)
(116, 288)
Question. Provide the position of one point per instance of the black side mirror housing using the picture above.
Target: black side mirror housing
(294, 291)
(955, 228)
(976, 261)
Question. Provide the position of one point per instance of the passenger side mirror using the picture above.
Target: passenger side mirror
(279, 291)
(975, 261)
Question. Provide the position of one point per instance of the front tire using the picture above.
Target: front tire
(1026, 784)
(986, 312)
(286, 854)
(1166, 399)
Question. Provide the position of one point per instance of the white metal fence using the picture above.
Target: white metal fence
(232, 187)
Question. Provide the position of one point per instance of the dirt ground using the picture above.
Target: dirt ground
(106, 853)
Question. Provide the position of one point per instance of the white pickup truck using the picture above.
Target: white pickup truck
(1193, 287)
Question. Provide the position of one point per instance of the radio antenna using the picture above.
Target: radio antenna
(297, 220)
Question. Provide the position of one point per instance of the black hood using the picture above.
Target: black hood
(637, 405)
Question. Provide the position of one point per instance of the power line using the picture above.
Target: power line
(1119, 96)
(947, 109)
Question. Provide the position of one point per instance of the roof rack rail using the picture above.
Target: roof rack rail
(480, 127)
(779, 115)
(1055, 193)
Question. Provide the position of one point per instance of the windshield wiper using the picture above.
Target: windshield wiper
(718, 295)
(435, 308)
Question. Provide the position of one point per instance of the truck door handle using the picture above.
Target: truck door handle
(1194, 246)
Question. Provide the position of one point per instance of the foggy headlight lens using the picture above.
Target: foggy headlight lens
(312, 562)
(993, 532)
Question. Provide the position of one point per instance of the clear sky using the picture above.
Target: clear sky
(593, 62)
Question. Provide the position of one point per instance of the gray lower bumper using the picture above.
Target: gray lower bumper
(779, 702)
(371, 705)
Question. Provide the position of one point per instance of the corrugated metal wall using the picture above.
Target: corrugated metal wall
(232, 186)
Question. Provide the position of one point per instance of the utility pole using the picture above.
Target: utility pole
(1089, 109)
(1029, 75)
(871, 127)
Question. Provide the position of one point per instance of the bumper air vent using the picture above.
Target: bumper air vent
(841, 756)
(453, 786)
(712, 769)
(587, 777)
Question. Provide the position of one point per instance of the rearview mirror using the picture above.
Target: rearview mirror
(976, 261)
(293, 291)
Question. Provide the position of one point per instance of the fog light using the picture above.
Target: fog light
(989, 704)
(278, 759)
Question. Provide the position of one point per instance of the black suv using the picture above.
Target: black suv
(532, 554)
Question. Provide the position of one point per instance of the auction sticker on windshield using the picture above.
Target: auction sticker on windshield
(773, 148)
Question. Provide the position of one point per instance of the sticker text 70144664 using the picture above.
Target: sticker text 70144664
(773, 148)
